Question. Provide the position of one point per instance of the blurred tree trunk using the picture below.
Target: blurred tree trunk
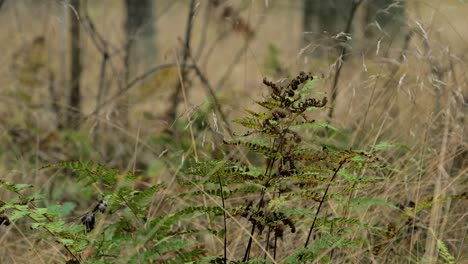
(141, 34)
(141, 44)
(74, 103)
(322, 20)
(385, 20)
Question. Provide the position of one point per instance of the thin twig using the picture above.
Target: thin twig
(99, 42)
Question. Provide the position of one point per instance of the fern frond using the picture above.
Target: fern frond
(142, 198)
(353, 178)
(306, 195)
(203, 209)
(269, 103)
(227, 193)
(91, 172)
(444, 253)
(313, 124)
(249, 122)
(308, 176)
(19, 211)
(16, 188)
(256, 147)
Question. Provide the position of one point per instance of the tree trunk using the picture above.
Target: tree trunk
(322, 20)
(384, 20)
(308, 20)
(140, 46)
(139, 27)
(74, 105)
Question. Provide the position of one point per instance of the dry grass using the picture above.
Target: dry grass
(420, 101)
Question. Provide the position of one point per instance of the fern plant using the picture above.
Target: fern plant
(118, 229)
(296, 170)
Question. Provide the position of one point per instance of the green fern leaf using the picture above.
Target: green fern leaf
(314, 124)
(249, 122)
(444, 253)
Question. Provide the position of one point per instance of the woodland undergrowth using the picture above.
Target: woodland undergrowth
(280, 193)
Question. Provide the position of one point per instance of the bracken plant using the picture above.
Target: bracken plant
(290, 185)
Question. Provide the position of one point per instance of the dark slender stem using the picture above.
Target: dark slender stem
(276, 243)
(224, 219)
(50, 232)
(275, 231)
(322, 201)
(268, 171)
(267, 246)
(276, 234)
(249, 244)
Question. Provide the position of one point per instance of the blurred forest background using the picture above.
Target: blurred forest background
(128, 83)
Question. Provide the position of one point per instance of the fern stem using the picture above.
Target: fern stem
(276, 243)
(267, 246)
(132, 210)
(224, 219)
(321, 202)
(268, 171)
(276, 234)
(249, 244)
(52, 233)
